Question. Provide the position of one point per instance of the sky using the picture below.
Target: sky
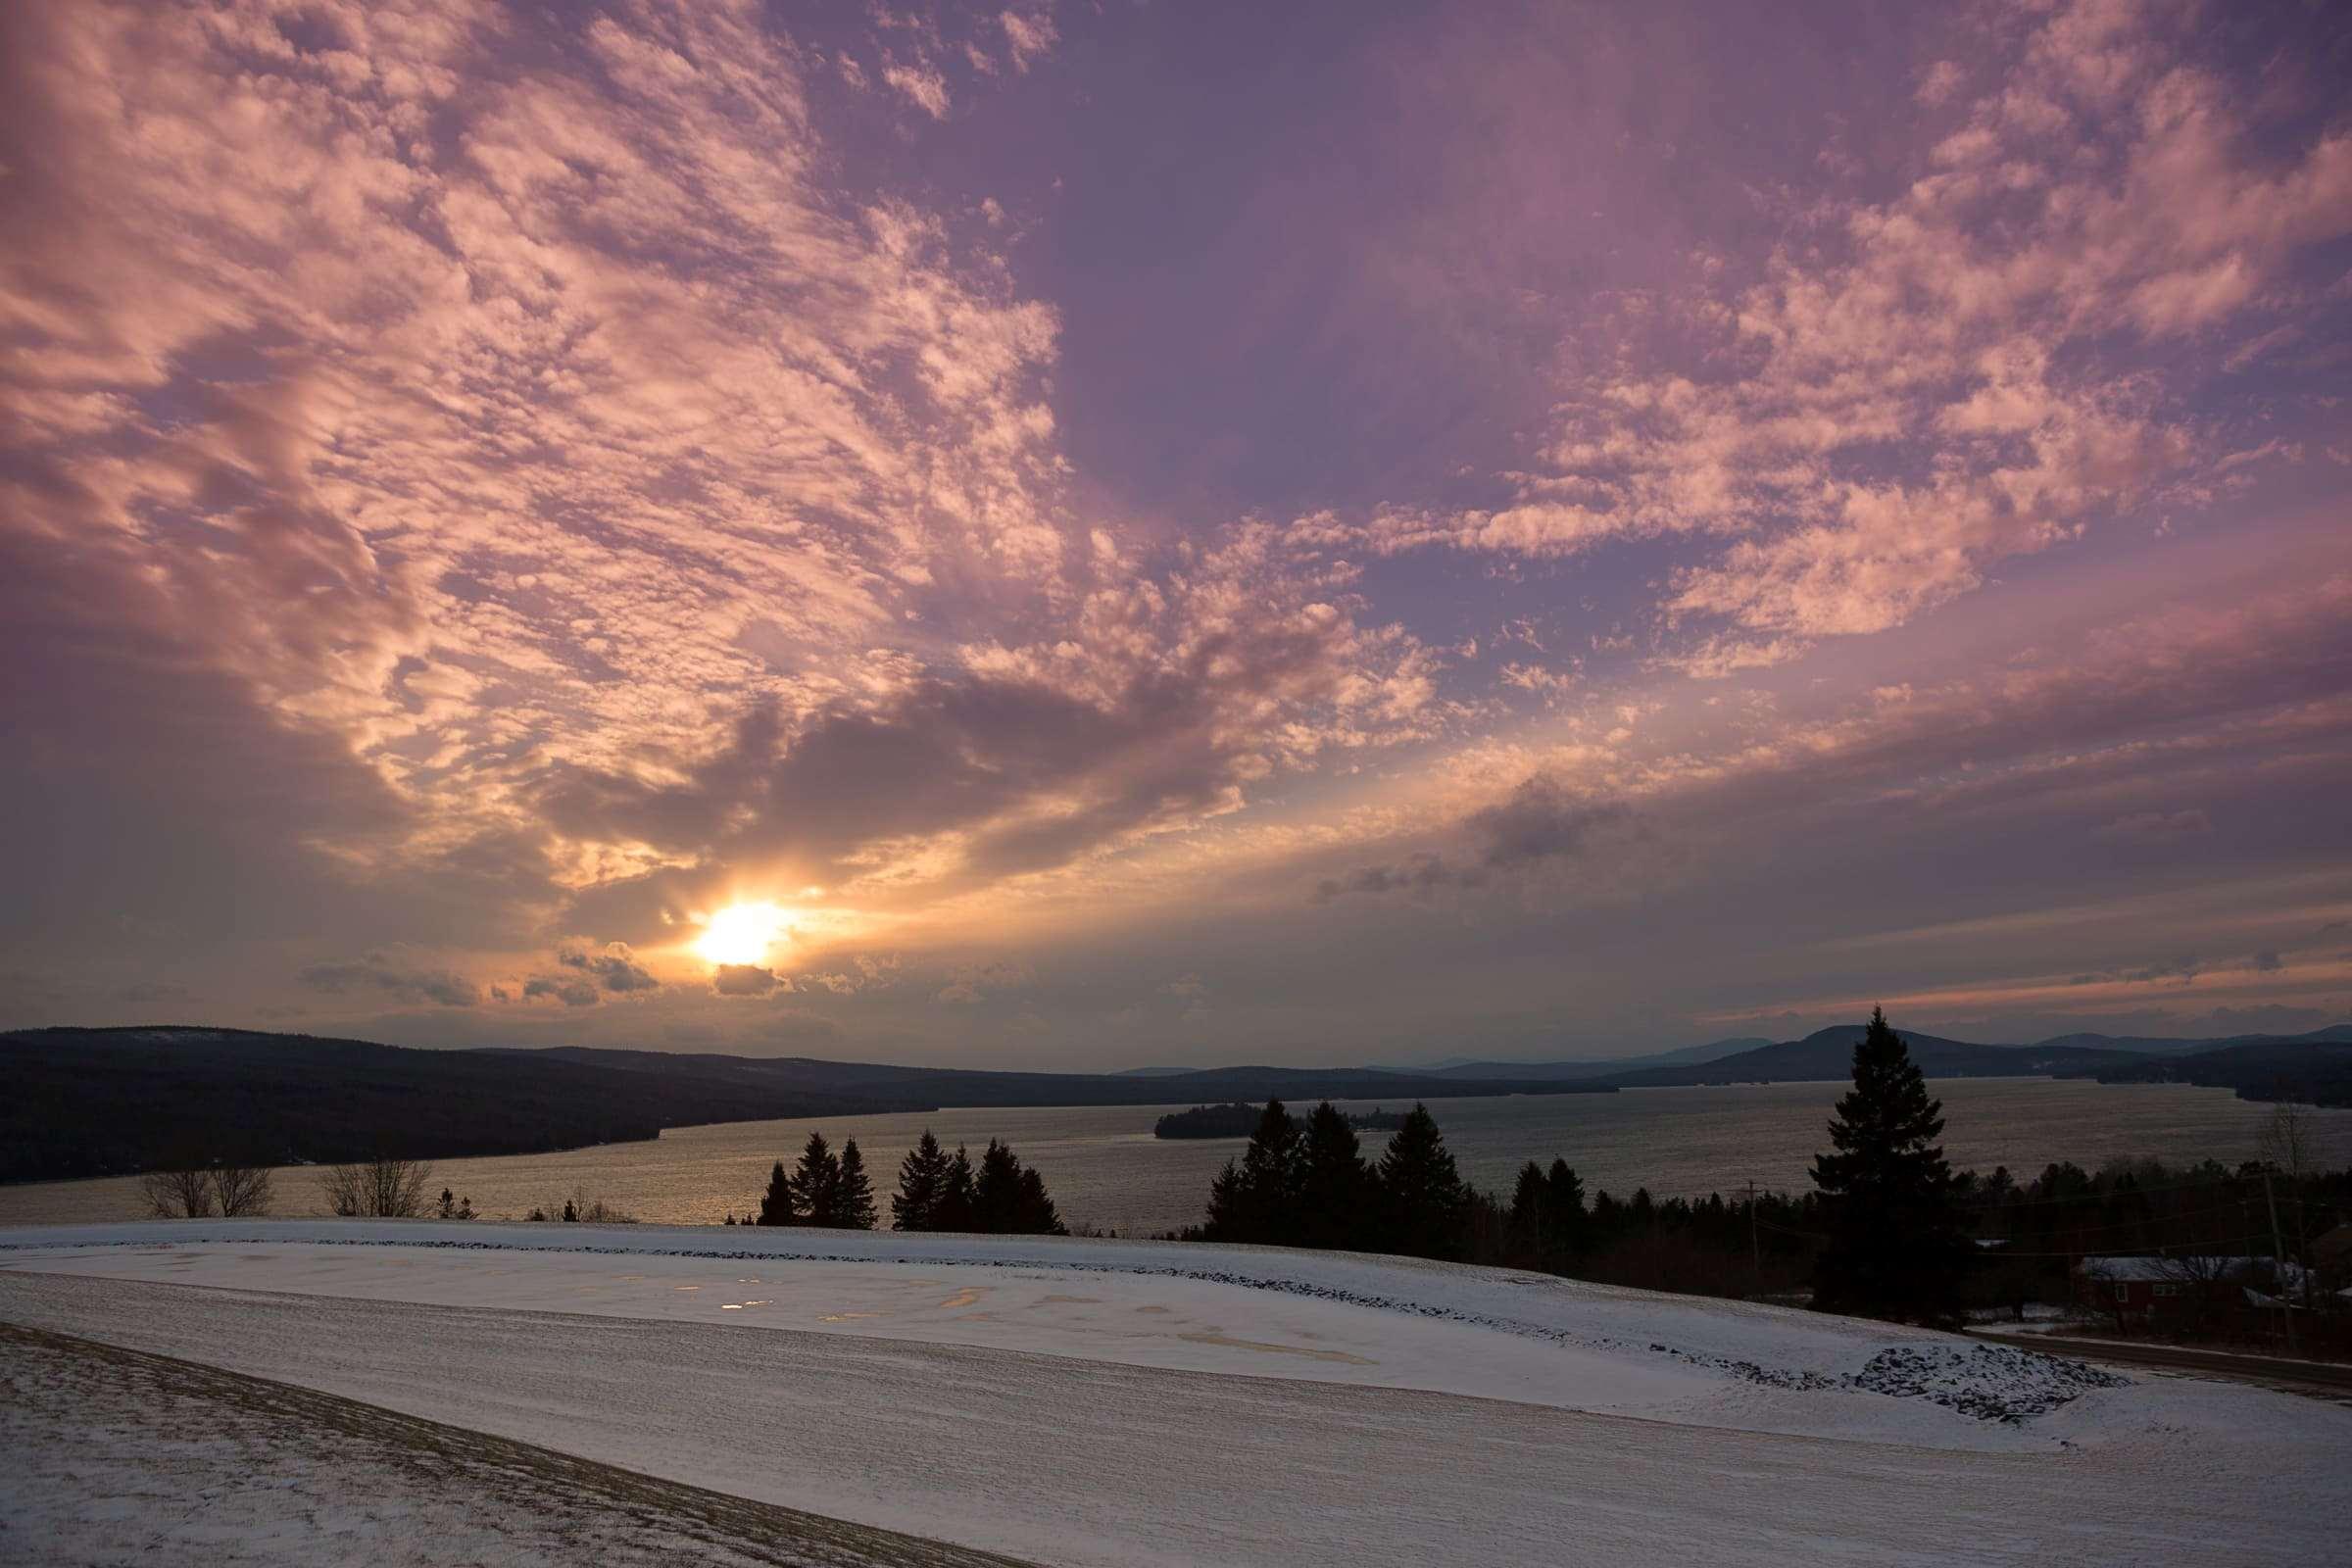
(1084, 536)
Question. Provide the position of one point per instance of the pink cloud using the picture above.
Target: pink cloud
(1910, 392)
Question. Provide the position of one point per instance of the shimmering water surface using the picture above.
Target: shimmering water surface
(1106, 1169)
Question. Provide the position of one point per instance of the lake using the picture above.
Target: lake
(1106, 1169)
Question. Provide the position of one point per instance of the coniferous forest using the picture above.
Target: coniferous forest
(994, 1195)
(1890, 1229)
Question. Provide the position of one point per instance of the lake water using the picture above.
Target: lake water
(1105, 1167)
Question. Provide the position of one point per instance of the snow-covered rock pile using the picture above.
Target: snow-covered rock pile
(1991, 1382)
(1771, 1377)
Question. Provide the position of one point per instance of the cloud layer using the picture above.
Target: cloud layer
(485, 488)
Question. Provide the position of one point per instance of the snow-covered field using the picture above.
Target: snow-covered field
(110, 1457)
(1119, 1402)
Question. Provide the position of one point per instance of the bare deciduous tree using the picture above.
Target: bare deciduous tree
(241, 1189)
(2288, 1144)
(183, 1193)
(376, 1189)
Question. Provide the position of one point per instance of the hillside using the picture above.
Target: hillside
(112, 1101)
(2160, 1046)
(2316, 1068)
(1142, 1405)
(2258, 1066)
(1829, 1053)
(1601, 1067)
(953, 1086)
(107, 1102)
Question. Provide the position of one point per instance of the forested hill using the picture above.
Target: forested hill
(2314, 1068)
(109, 1102)
(950, 1085)
(1829, 1053)
(2258, 1066)
(112, 1101)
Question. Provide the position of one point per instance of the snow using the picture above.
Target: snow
(1074, 1401)
(107, 1456)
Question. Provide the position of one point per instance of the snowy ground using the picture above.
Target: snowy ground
(109, 1454)
(1083, 1401)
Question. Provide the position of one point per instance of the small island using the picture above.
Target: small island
(1239, 1119)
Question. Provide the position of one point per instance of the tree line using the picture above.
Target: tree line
(1889, 1230)
(995, 1196)
(1884, 1222)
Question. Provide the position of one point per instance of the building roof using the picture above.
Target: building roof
(2181, 1270)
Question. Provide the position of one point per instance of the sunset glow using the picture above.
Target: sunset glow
(741, 933)
(1166, 533)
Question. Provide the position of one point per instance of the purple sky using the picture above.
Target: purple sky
(1175, 533)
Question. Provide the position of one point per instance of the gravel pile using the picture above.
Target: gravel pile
(1991, 1382)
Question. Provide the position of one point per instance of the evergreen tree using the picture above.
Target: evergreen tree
(1036, 1211)
(853, 1197)
(1422, 1195)
(1565, 1222)
(1258, 1201)
(777, 1206)
(922, 1186)
(1335, 1187)
(1528, 1198)
(997, 1192)
(958, 1196)
(817, 1183)
(1895, 1247)
(1009, 1199)
(1226, 1205)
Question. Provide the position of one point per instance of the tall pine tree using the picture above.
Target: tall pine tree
(958, 1196)
(1528, 1199)
(922, 1184)
(1009, 1199)
(817, 1183)
(1422, 1195)
(777, 1207)
(1895, 1248)
(1335, 1187)
(853, 1193)
(1565, 1221)
(1258, 1200)
(1036, 1212)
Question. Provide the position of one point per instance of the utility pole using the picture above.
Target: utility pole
(2286, 1309)
(1755, 1254)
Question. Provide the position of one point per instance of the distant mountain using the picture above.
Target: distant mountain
(2159, 1045)
(2316, 1068)
(1829, 1053)
(1713, 1050)
(1150, 1072)
(963, 1086)
(107, 1102)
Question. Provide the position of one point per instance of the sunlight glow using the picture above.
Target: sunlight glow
(741, 933)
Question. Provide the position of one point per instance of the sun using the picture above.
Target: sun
(740, 933)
